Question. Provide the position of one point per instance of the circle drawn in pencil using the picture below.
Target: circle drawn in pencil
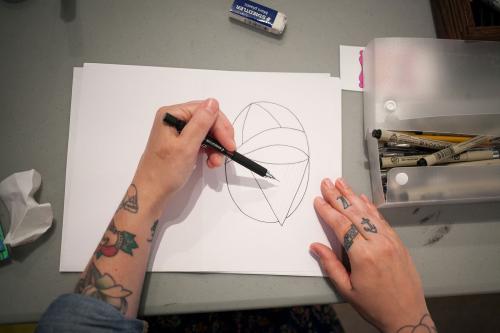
(273, 136)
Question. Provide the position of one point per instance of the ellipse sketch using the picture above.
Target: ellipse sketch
(273, 136)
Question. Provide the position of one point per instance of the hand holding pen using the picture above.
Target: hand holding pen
(169, 157)
(216, 146)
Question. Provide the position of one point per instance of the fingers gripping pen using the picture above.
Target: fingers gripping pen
(215, 145)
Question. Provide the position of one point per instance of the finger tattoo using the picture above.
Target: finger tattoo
(344, 201)
(368, 226)
(349, 237)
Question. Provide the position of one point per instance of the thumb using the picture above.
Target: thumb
(201, 122)
(332, 266)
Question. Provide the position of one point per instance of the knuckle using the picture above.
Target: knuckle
(326, 215)
(330, 194)
(388, 247)
(366, 256)
(180, 150)
(322, 206)
(228, 126)
(345, 227)
(325, 266)
(343, 221)
(184, 112)
(204, 121)
(190, 150)
(161, 111)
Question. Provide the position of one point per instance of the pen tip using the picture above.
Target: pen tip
(269, 175)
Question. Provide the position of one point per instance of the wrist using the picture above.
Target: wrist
(420, 320)
(150, 202)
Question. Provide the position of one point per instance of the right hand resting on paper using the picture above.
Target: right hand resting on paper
(383, 284)
(169, 157)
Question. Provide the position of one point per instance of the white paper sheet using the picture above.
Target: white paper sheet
(351, 68)
(114, 114)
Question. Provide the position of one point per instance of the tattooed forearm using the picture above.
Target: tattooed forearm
(130, 201)
(368, 226)
(153, 231)
(115, 240)
(103, 287)
(344, 201)
(349, 237)
(424, 325)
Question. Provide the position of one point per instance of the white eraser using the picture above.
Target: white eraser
(258, 16)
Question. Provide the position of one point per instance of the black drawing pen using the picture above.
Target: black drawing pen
(215, 145)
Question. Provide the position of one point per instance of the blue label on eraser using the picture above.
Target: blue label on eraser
(254, 12)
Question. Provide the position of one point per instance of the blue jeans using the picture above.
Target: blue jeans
(77, 313)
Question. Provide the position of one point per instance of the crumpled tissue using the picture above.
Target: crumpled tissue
(28, 219)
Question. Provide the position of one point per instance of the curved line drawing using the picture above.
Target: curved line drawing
(303, 182)
(265, 197)
(269, 113)
(277, 145)
(268, 129)
(241, 210)
(306, 169)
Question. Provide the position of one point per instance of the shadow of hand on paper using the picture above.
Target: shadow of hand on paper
(250, 182)
(179, 207)
(217, 180)
(336, 247)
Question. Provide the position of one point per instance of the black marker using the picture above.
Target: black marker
(215, 145)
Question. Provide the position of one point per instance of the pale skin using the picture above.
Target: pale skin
(115, 275)
(383, 285)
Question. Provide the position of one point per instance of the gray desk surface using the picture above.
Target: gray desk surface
(40, 43)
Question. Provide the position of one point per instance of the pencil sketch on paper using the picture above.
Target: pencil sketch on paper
(273, 136)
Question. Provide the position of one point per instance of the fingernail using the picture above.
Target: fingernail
(320, 200)
(313, 251)
(218, 160)
(328, 183)
(211, 105)
(342, 182)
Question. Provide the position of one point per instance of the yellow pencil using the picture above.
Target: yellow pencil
(442, 137)
(451, 138)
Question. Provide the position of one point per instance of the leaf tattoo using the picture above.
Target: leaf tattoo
(115, 240)
(368, 226)
(130, 201)
(103, 287)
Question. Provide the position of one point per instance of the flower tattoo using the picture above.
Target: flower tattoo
(103, 287)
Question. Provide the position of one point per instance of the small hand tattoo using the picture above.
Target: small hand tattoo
(103, 287)
(424, 325)
(349, 237)
(368, 226)
(153, 231)
(130, 202)
(344, 201)
(115, 240)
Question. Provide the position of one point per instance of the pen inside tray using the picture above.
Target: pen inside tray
(421, 149)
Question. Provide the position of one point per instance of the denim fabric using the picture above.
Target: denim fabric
(77, 313)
